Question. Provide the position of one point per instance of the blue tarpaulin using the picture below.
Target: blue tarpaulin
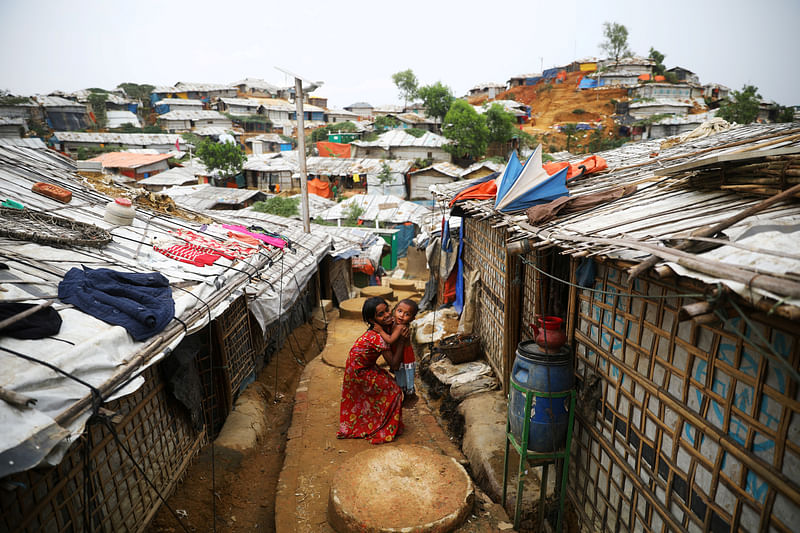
(532, 81)
(590, 83)
(551, 72)
(404, 237)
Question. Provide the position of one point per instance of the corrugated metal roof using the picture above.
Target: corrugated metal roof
(139, 139)
(128, 159)
(180, 102)
(173, 177)
(57, 101)
(210, 131)
(240, 102)
(116, 119)
(383, 208)
(256, 83)
(663, 208)
(192, 114)
(25, 142)
(660, 102)
(205, 197)
(202, 87)
(394, 138)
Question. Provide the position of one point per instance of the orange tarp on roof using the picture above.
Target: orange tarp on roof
(320, 188)
(329, 149)
(660, 78)
(644, 77)
(593, 163)
(481, 191)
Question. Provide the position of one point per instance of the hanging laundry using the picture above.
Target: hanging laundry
(140, 302)
(230, 249)
(43, 323)
(279, 243)
(188, 253)
(259, 229)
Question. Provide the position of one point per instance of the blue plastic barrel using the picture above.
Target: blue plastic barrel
(536, 370)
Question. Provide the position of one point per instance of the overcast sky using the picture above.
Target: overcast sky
(355, 46)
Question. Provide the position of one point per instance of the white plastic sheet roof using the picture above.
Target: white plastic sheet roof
(138, 139)
(96, 351)
(398, 137)
(192, 114)
(383, 208)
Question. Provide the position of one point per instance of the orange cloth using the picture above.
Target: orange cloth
(320, 188)
(331, 149)
(482, 191)
(593, 163)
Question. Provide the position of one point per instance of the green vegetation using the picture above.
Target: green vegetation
(578, 111)
(616, 41)
(436, 99)
(227, 158)
(599, 143)
(467, 129)
(658, 69)
(570, 130)
(547, 158)
(415, 132)
(369, 137)
(137, 91)
(352, 213)
(97, 101)
(652, 119)
(406, 82)
(88, 152)
(742, 106)
(250, 122)
(501, 124)
(321, 134)
(385, 175)
(384, 123)
(279, 205)
(8, 99)
(781, 113)
(671, 77)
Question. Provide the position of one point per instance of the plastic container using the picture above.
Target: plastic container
(538, 371)
(119, 212)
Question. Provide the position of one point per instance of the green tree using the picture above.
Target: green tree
(570, 130)
(658, 57)
(279, 205)
(137, 91)
(227, 158)
(467, 129)
(436, 99)
(501, 124)
(406, 82)
(97, 101)
(616, 40)
(742, 106)
(385, 175)
(384, 123)
(321, 134)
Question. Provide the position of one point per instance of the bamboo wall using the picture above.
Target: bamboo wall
(484, 249)
(692, 429)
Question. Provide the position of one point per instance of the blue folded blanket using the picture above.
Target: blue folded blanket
(139, 302)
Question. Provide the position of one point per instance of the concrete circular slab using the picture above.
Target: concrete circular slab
(399, 488)
(403, 284)
(377, 290)
(351, 308)
(402, 295)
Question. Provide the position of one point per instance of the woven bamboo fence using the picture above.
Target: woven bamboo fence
(691, 429)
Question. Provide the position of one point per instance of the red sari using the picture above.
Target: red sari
(371, 404)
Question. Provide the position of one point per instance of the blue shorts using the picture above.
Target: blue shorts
(405, 377)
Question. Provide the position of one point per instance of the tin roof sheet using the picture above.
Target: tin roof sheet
(134, 139)
(400, 138)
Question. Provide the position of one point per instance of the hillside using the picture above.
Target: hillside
(553, 104)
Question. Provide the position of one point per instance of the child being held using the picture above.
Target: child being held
(404, 313)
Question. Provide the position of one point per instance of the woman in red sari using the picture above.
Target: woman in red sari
(371, 406)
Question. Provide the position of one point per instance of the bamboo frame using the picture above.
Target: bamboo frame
(691, 414)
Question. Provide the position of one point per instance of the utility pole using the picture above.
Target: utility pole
(301, 142)
(301, 155)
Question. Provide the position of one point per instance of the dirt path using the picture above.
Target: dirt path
(245, 486)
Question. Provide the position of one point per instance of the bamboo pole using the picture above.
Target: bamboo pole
(710, 231)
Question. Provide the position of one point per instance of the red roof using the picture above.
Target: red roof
(128, 159)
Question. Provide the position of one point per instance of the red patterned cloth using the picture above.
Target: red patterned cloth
(230, 249)
(189, 253)
(371, 405)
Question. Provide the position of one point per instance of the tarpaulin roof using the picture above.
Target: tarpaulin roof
(530, 185)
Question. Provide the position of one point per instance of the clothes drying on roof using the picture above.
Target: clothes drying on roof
(261, 230)
(43, 323)
(273, 241)
(140, 302)
(229, 249)
(593, 163)
(191, 253)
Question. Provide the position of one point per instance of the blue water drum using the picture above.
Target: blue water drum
(536, 370)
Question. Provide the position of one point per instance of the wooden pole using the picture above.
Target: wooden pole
(710, 231)
(301, 153)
